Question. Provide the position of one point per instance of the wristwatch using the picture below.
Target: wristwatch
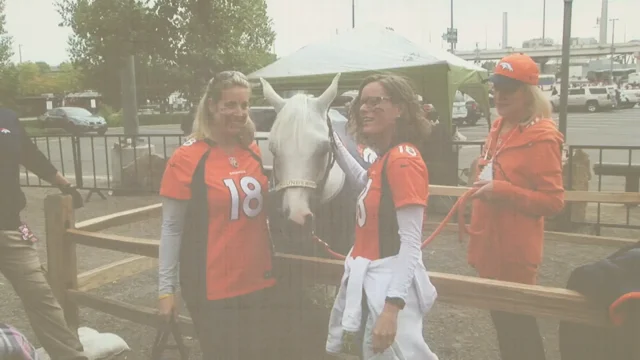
(396, 301)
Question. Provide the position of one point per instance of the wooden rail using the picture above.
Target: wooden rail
(70, 288)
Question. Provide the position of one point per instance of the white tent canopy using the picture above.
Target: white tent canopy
(369, 49)
(360, 49)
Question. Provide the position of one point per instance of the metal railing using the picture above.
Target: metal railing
(605, 168)
(108, 163)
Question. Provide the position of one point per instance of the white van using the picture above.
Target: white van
(634, 78)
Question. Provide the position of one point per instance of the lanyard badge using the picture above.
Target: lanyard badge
(486, 169)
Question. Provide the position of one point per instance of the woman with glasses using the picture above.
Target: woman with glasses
(215, 227)
(386, 291)
(519, 183)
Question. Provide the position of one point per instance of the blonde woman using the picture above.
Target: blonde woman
(519, 183)
(215, 227)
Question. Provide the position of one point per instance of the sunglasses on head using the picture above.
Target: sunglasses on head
(225, 75)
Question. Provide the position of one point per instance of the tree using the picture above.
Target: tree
(9, 86)
(31, 79)
(5, 40)
(178, 44)
(218, 35)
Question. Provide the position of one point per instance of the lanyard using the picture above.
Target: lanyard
(504, 143)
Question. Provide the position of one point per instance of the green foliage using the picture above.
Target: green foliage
(38, 78)
(114, 119)
(178, 44)
(9, 85)
(5, 40)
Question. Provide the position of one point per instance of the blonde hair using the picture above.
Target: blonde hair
(202, 126)
(538, 105)
(412, 127)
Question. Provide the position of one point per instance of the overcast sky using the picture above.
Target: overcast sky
(34, 23)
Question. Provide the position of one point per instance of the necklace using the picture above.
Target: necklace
(233, 161)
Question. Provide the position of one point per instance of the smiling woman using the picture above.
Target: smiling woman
(215, 227)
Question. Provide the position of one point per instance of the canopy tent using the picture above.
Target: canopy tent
(365, 50)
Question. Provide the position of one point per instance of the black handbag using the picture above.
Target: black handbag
(162, 338)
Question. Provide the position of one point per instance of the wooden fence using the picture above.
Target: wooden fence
(63, 233)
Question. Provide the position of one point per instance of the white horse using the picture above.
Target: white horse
(312, 186)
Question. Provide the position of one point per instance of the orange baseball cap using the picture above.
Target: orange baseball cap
(516, 68)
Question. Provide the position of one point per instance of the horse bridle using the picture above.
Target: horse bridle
(309, 184)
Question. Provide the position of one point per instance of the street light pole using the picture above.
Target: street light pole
(353, 14)
(564, 73)
(544, 20)
(613, 38)
(452, 44)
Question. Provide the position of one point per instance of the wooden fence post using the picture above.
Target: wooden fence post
(61, 255)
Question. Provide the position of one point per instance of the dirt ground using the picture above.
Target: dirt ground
(454, 333)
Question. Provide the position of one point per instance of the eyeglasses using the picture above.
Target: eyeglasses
(373, 101)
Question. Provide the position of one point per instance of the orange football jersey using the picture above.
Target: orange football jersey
(238, 247)
(407, 184)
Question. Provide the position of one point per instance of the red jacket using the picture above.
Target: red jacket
(528, 185)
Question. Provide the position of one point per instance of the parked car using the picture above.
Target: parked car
(590, 98)
(459, 110)
(473, 111)
(630, 97)
(74, 120)
(465, 110)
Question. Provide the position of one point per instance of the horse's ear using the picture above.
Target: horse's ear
(272, 96)
(325, 100)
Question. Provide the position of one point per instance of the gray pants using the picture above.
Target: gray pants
(20, 264)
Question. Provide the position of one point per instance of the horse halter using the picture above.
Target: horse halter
(309, 184)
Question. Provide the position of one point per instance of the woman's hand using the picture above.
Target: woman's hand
(485, 190)
(384, 332)
(167, 307)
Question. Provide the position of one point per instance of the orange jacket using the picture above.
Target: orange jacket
(527, 186)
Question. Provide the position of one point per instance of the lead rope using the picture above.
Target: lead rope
(463, 228)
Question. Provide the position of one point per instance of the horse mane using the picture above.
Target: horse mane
(289, 124)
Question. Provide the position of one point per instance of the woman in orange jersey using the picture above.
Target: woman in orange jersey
(386, 291)
(214, 226)
(519, 183)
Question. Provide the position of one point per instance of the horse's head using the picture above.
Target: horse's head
(303, 168)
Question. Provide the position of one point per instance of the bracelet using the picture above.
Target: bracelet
(164, 296)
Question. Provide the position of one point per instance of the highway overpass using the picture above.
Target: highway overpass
(551, 51)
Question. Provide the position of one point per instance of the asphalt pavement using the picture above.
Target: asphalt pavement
(618, 127)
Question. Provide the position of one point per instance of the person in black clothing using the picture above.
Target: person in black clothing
(19, 261)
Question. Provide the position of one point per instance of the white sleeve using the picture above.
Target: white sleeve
(173, 220)
(410, 230)
(357, 174)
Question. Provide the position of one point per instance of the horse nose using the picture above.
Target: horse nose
(300, 217)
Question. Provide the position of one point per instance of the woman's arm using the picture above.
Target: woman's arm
(410, 219)
(173, 220)
(356, 174)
